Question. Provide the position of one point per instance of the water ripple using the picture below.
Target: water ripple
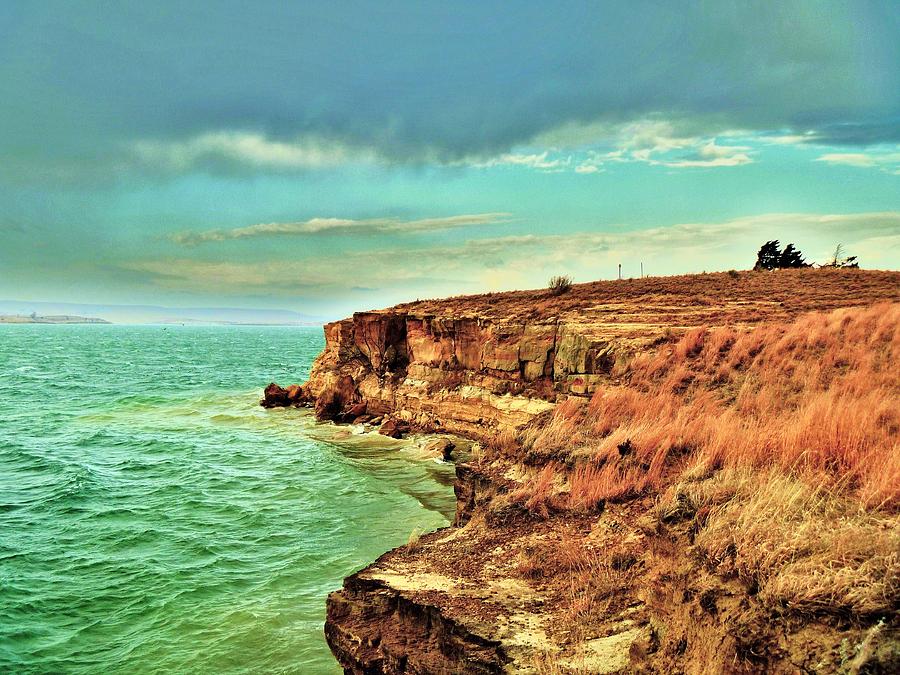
(154, 519)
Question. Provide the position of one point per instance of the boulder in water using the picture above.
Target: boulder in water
(442, 447)
(275, 397)
(393, 428)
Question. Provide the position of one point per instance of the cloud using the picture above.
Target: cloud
(658, 143)
(526, 261)
(532, 161)
(654, 141)
(850, 158)
(710, 155)
(253, 149)
(433, 82)
(791, 139)
(887, 161)
(315, 226)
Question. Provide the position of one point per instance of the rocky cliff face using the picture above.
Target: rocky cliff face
(470, 376)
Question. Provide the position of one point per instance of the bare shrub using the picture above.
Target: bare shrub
(559, 284)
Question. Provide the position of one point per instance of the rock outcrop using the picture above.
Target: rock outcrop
(469, 376)
(280, 397)
(376, 624)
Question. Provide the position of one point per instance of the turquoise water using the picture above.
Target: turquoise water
(155, 519)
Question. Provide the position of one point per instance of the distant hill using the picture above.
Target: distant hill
(162, 314)
(56, 318)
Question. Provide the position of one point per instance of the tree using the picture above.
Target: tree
(768, 256)
(840, 260)
(838, 256)
(771, 257)
(791, 257)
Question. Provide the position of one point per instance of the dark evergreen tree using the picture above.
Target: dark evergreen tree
(769, 256)
(791, 257)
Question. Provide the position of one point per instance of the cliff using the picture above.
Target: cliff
(689, 474)
(481, 365)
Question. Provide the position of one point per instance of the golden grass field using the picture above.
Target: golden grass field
(777, 438)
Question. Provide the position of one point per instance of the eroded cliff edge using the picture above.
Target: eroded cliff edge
(600, 528)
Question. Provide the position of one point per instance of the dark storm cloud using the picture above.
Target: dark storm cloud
(80, 82)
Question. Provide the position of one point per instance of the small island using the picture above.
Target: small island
(54, 318)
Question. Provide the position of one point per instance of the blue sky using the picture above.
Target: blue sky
(347, 155)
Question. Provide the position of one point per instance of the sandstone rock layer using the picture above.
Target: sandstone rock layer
(469, 376)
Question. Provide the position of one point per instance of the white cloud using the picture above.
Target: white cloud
(657, 142)
(583, 148)
(533, 161)
(859, 159)
(343, 225)
(887, 161)
(711, 154)
(792, 139)
(248, 148)
(645, 138)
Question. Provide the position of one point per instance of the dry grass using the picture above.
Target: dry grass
(803, 548)
(548, 663)
(504, 443)
(717, 298)
(778, 445)
(817, 398)
(594, 579)
(564, 555)
(590, 485)
(538, 495)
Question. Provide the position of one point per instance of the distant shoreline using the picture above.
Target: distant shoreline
(71, 319)
(61, 318)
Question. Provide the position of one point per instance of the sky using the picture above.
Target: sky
(322, 158)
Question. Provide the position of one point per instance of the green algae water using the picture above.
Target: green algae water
(155, 519)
